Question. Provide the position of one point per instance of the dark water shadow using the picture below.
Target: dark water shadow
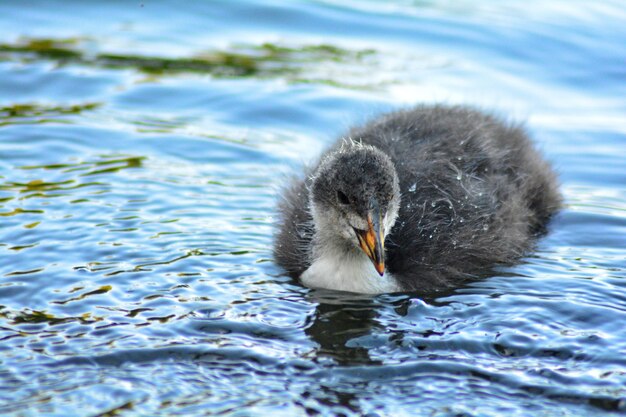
(340, 319)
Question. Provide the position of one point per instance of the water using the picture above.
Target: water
(142, 145)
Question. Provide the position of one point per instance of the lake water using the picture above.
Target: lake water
(142, 147)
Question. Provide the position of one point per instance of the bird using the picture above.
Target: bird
(420, 199)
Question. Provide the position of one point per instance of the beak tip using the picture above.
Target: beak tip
(372, 241)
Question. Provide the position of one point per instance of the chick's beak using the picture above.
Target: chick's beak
(372, 241)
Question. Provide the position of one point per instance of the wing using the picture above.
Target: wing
(293, 241)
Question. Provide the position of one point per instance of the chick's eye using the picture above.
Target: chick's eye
(343, 199)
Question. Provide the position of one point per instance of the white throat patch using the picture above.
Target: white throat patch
(354, 273)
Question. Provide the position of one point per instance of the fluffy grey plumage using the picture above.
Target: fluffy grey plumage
(463, 191)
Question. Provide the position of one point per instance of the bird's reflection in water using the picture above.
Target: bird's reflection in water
(338, 324)
(341, 325)
(339, 318)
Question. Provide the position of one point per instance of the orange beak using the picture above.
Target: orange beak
(372, 242)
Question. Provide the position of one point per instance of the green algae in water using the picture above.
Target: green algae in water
(41, 316)
(243, 60)
(57, 49)
(35, 113)
(102, 290)
(110, 164)
(31, 225)
(224, 64)
(36, 110)
(20, 211)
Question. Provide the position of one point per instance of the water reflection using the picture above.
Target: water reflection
(32, 113)
(340, 319)
(241, 60)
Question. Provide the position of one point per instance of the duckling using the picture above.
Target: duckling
(417, 200)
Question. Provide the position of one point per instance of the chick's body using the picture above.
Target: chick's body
(473, 193)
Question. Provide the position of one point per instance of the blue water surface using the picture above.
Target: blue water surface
(142, 149)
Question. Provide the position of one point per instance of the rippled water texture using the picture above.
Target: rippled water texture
(142, 145)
